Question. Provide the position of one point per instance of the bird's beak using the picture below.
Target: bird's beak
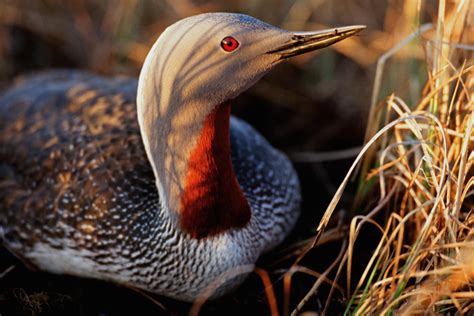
(302, 42)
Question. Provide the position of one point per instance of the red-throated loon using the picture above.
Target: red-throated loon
(165, 194)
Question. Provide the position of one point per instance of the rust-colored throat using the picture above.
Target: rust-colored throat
(212, 201)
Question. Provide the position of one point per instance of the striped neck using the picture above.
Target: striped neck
(189, 150)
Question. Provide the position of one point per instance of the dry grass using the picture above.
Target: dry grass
(418, 169)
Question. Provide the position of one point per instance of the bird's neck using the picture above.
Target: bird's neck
(190, 153)
(212, 201)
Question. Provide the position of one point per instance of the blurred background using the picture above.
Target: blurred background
(315, 103)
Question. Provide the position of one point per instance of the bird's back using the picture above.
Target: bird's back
(72, 162)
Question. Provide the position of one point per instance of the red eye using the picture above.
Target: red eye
(229, 44)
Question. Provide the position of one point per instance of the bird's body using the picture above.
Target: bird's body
(79, 197)
(166, 195)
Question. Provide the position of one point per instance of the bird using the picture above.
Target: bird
(152, 184)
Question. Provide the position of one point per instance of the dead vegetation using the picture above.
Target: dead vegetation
(417, 169)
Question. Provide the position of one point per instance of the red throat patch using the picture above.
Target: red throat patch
(212, 201)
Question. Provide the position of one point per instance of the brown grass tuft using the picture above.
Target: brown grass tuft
(418, 168)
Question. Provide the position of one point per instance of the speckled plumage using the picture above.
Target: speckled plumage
(78, 195)
(95, 184)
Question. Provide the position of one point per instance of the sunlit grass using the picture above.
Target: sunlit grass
(419, 172)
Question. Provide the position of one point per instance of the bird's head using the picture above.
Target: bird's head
(213, 57)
